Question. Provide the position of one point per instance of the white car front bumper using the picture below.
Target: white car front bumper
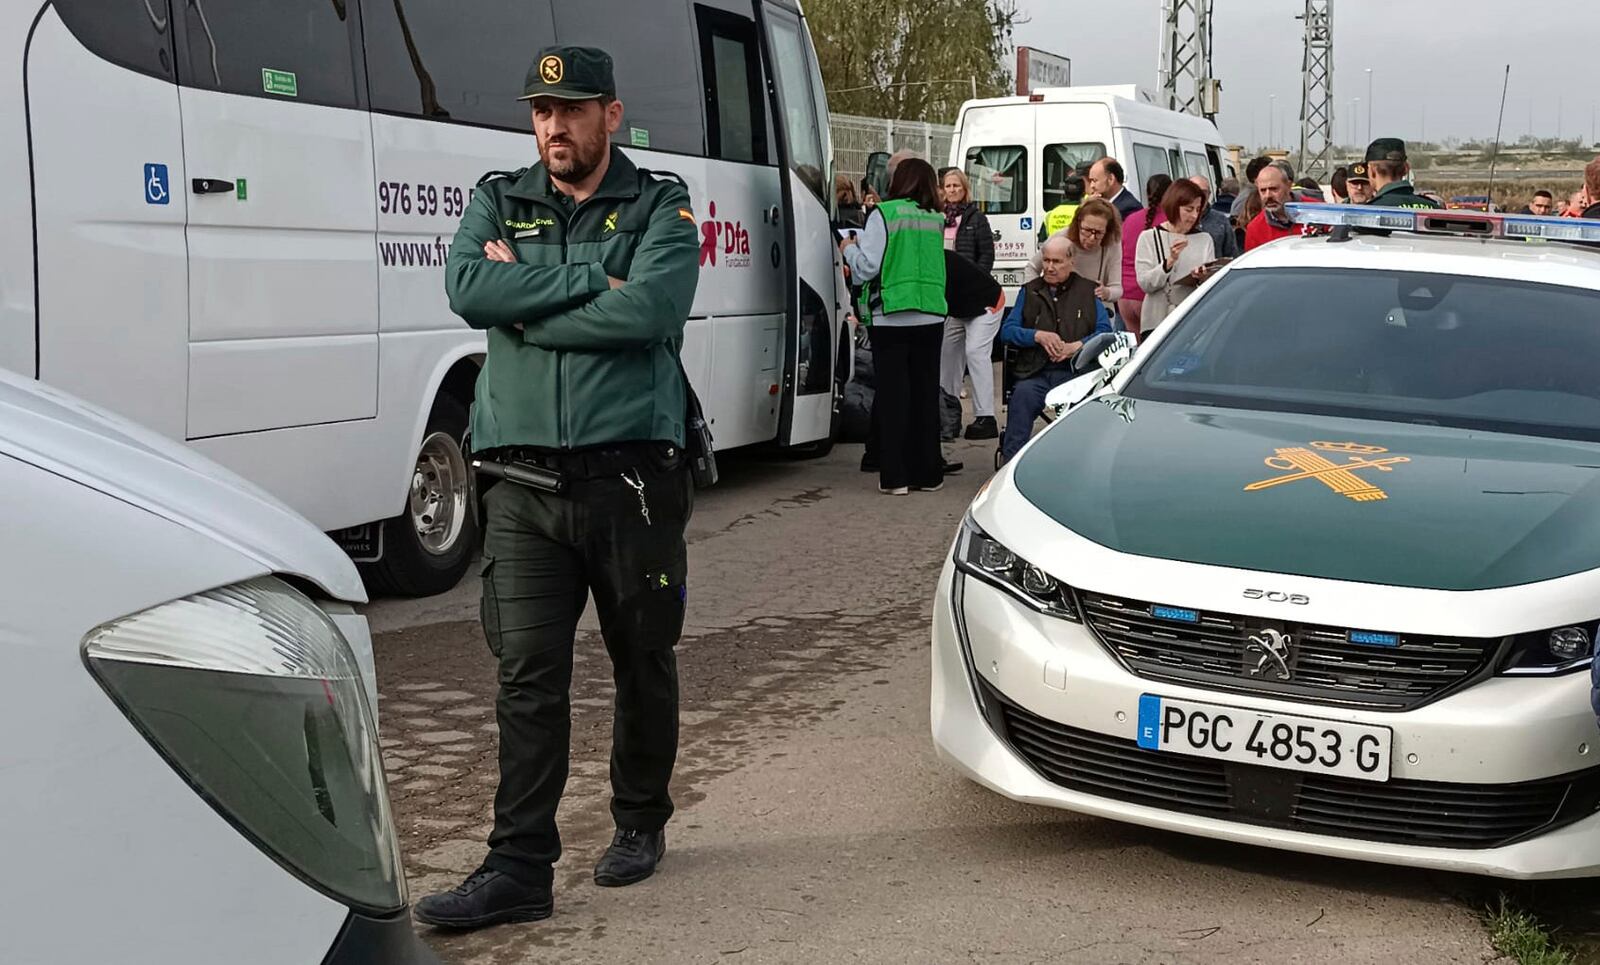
(1500, 731)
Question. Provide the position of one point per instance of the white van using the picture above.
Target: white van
(227, 220)
(1017, 151)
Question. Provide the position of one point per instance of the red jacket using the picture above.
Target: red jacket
(1260, 231)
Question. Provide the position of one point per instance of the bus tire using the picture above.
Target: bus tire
(427, 548)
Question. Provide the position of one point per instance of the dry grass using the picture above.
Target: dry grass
(1509, 195)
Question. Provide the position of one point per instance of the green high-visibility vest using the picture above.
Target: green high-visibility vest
(1058, 219)
(912, 279)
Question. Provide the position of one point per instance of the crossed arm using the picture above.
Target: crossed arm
(578, 307)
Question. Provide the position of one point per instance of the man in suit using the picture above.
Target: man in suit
(1106, 182)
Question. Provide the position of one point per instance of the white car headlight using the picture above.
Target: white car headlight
(253, 696)
(985, 558)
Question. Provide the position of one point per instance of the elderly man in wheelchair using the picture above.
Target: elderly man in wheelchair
(1053, 334)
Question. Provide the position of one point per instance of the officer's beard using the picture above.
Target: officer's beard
(580, 159)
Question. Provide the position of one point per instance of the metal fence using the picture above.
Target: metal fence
(856, 137)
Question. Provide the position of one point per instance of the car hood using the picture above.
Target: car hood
(1433, 507)
(78, 441)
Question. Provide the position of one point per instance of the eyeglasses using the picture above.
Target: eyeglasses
(1092, 232)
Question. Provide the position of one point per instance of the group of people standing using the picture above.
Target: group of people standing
(1107, 261)
(922, 262)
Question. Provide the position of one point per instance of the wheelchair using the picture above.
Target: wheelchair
(1008, 374)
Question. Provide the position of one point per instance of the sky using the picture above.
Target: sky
(1437, 65)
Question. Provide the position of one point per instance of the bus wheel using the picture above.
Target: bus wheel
(427, 548)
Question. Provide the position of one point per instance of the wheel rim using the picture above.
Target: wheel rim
(440, 494)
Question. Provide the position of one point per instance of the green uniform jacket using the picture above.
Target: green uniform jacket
(591, 365)
(1400, 194)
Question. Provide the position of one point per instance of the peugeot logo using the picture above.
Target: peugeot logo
(1274, 650)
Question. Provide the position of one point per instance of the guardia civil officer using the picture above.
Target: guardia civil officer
(582, 269)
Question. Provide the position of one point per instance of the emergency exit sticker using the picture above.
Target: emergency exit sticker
(279, 82)
(640, 136)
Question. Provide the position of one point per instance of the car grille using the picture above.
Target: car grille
(1422, 813)
(1325, 666)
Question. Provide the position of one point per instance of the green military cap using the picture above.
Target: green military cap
(1358, 172)
(1386, 149)
(571, 73)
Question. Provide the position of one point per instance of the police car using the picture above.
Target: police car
(1319, 567)
(189, 763)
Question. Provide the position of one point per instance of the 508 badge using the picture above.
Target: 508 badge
(1276, 596)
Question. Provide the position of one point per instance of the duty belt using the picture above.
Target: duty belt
(597, 463)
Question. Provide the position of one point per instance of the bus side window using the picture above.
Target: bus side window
(999, 176)
(297, 50)
(1148, 162)
(1058, 159)
(1219, 172)
(736, 124)
(424, 61)
(654, 61)
(137, 36)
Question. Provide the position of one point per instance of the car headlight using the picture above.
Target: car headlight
(253, 696)
(985, 558)
(1554, 651)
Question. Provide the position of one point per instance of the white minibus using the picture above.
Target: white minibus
(227, 219)
(1017, 151)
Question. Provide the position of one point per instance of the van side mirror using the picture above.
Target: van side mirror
(1066, 396)
(877, 176)
(1117, 352)
(1109, 350)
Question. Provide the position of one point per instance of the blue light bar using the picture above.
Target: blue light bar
(1475, 224)
(1551, 229)
(1175, 613)
(1371, 639)
(1353, 216)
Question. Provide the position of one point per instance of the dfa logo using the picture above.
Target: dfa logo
(727, 237)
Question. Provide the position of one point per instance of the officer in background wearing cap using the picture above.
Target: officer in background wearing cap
(582, 270)
(1387, 165)
(1359, 181)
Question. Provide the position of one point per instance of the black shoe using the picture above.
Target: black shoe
(951, 468)
(869, 464)
(487, 897)
(631, 858)
(983, 427)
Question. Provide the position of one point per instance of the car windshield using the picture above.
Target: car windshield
(1451, 350)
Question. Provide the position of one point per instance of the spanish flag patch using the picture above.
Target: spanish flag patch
(686, 215)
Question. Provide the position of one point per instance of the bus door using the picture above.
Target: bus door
(808, 250)
(283, 287)
(109, 210)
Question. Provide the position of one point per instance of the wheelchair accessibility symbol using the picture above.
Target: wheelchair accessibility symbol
(156, 184)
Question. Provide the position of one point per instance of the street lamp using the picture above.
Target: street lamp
(1368, 104)
(1272, 124)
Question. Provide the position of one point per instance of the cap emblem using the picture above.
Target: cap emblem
(551, 69)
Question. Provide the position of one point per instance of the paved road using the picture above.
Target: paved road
(814, 823)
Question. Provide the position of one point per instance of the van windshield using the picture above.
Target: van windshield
(1064, 160)
(999, 177)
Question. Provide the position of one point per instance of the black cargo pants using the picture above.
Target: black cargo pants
(543, 556)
